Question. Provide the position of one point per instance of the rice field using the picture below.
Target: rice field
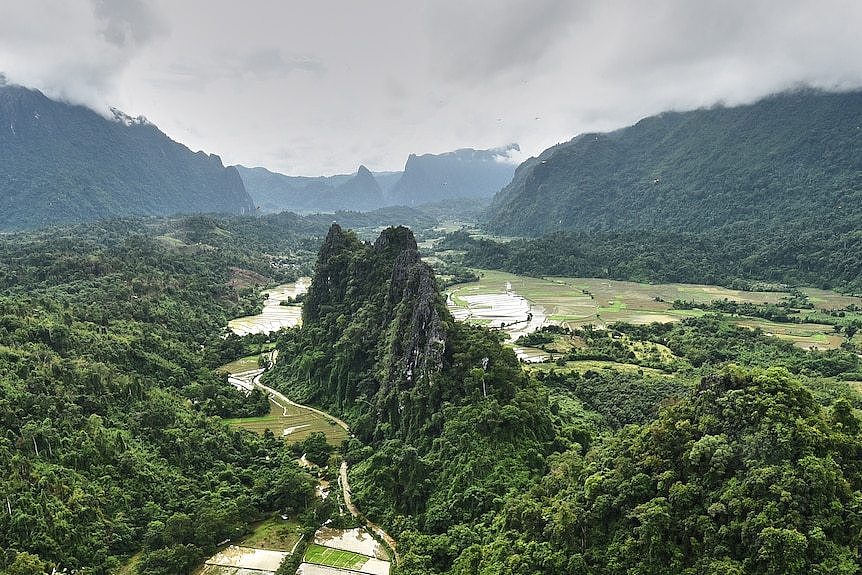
(334, 557)
(503, 309)
(314, 569)
(356, 540)
(274, 315)
(336, 551)
(575, 302)
(236, 560)
(292, 423)
(241, 365)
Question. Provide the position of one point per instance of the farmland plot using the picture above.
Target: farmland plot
(274, 315)
(575, 302)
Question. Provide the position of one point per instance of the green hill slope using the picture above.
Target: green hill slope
(793, 160)
(61, 163)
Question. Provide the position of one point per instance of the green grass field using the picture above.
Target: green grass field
(582, 366)
(303, 421)
(575, 302)
(242, 364)
(334, 557)
(274, 533)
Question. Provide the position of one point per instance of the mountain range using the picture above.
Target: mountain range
(793, 159)
(61, 163)
(426, 179)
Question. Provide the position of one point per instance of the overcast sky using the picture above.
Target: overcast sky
(321, 86)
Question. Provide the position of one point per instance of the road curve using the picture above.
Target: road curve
(345, 485)
(280, 396)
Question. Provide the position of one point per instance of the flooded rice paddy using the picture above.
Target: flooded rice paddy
(236, 560)
(274, 315)
(502, 309)
(573, 302)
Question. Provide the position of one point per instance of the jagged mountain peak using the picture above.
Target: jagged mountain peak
(395, 240)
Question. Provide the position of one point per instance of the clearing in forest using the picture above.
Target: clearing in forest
(334, 557)
(234, 560)
(274, 316)
(292, 423)
(574, 302)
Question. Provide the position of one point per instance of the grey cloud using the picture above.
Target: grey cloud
(260, 65)
(270, 63)
(127, 23)
(319, 87)
(500, 38)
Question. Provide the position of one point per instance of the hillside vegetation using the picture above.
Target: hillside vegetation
(792, 160)
(61, 163)
(738, 454)
(109, 336)
(765, 193)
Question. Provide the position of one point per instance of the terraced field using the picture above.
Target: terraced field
(291, 423)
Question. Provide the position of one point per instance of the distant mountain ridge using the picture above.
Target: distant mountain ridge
(61, 163)
(426, 179)
(465, 173)
(791, 159)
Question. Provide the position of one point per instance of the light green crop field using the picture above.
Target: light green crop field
(582, 366)
(302, 421)
(242, 364)
(275, 533)
(334, 557)
(575, 302)
(804, 335)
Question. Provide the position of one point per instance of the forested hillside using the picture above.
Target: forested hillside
(764, 193)
(446, 422)
(792, 161)
(735, 258)
(61, 163)
(737, 454)
(108, 339)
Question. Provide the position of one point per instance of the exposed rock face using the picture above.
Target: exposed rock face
(414, 302)
(379, 346)
(61, 163)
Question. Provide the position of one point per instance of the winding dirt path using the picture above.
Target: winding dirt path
(373, 527)
(281, 397)
(345, 485)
